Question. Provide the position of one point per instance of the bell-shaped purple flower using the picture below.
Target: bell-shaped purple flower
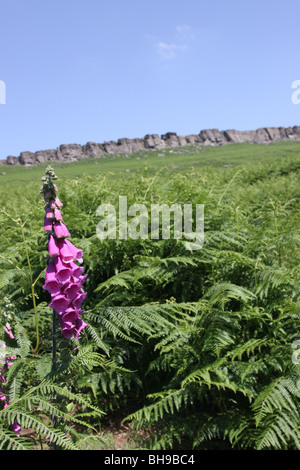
(47, 224)
(53, 247)
(48, 212)
(70, 315)
(52, 285)
(79, 299)
(57, 202)
(61, 230)
(76, 270)
(63, 272)
(76, 252)
(57, 215)
(59, 303)
(64, 251)
(71, 290)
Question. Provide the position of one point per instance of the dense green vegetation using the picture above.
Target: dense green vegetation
(196, 347)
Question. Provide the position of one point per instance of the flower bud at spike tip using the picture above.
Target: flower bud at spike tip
(64, 278)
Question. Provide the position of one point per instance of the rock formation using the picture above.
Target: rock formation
(74, 152)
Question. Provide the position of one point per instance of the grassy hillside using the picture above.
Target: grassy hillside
(190, 348)
(179, 159)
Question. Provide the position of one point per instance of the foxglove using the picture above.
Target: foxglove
(64, 277)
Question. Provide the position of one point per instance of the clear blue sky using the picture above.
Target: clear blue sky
(94, 70)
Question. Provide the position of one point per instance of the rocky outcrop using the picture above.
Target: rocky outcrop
(153, 141)
(214, 137)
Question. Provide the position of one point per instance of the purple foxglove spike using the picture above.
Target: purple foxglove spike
(61, 230)
(47, 224)
(63, 272)
(64, 276)
(53, 247)
(59, 303)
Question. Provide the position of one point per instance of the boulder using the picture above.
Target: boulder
(212, 137)
(296, 130)
(274, 133)
(282, 132)
(234, 136)
(130, 145)
(92, 149)
(70, 153)
(11, 160)
(27, 158)
(42, 156)
(171, 139)
(110, 147)
(182, 141)
(153, 141)
(262, 136)
(192, 139)
(290, 133)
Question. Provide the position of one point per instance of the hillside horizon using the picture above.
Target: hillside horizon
(211, 137)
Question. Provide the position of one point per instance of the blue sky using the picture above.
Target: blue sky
(95, 70)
